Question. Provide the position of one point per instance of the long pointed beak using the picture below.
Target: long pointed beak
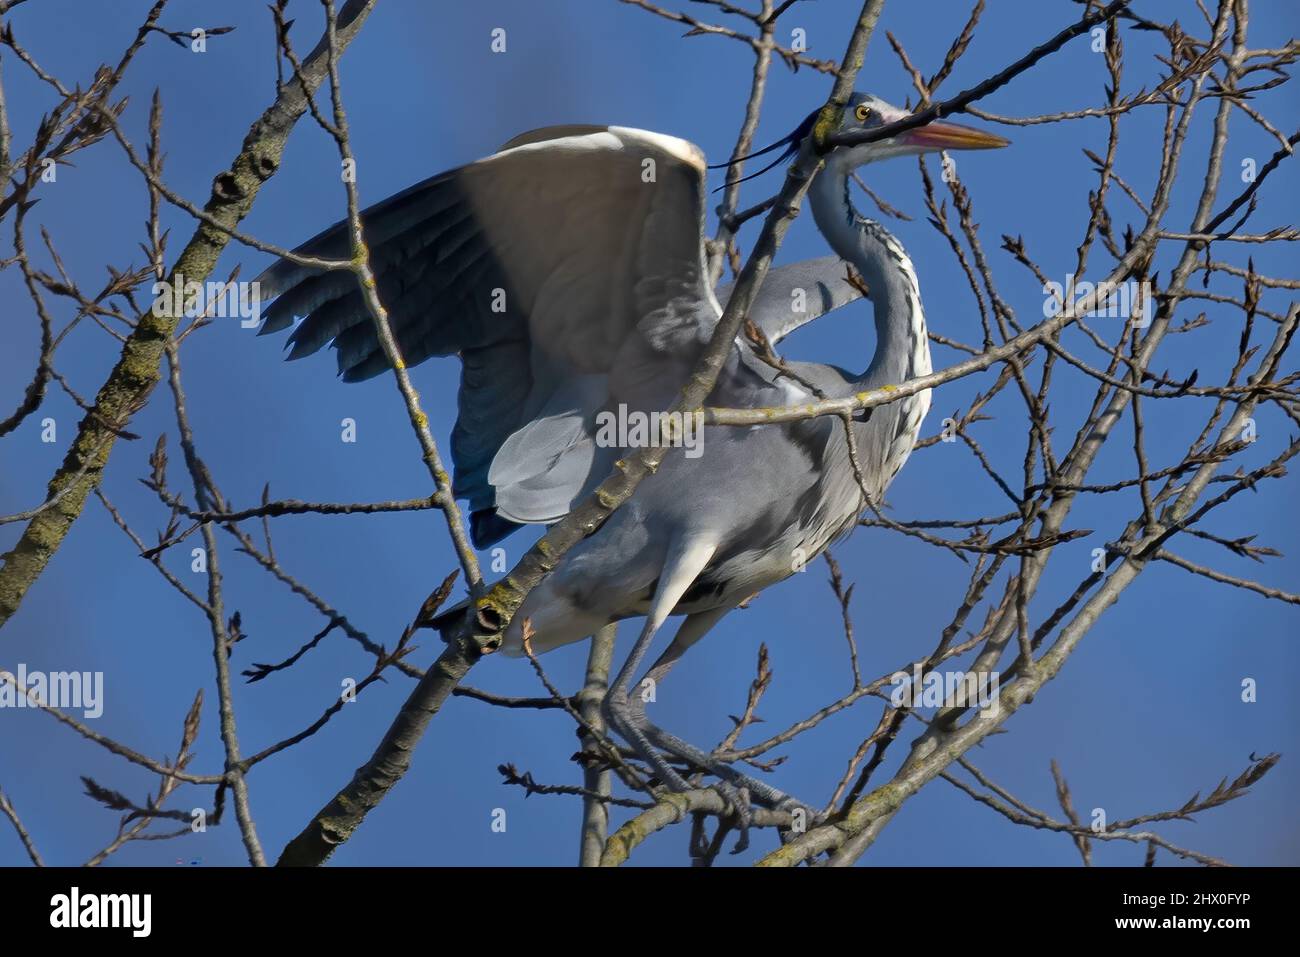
(952, 136)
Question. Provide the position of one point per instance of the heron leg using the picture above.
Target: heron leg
(734, 786)
(684, 564)
(625, 713)
(694, 628)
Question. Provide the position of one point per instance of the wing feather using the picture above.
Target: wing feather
(537, 265)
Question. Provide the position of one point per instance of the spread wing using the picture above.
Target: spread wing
(572, 254)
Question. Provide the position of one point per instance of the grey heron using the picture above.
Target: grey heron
(568, 272)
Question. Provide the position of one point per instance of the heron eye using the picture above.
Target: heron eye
(863, 113)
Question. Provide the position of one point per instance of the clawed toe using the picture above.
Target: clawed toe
(742, 813)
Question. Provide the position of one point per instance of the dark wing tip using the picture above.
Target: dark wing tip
(486, 527)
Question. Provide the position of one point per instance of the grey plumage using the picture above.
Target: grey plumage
(572, 284)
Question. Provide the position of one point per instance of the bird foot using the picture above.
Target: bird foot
(627, 717)
(760, 791)
(741, 811)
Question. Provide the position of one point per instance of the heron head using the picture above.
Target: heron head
(868, 112)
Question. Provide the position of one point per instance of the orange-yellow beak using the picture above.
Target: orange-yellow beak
(941, 135)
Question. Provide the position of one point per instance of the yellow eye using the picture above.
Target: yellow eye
(863, 112)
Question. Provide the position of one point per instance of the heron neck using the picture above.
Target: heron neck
(902, 344)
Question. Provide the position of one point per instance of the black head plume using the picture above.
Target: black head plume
(790, 142)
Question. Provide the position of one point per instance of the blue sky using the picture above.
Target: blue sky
(1146, 712)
